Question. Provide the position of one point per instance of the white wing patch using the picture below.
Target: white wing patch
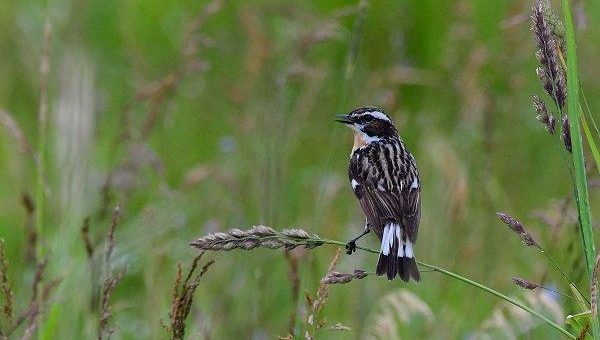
(415, 183)
(409, 249)
(354, 183)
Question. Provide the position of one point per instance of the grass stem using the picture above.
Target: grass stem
(44, 70)
(475, 284)
(573, 104)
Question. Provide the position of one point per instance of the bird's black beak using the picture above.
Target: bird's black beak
(344, 119)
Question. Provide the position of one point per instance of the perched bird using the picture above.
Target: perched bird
(384, 177)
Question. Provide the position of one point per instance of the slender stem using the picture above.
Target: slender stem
(583, 204)
(472, 283)
(559, 293)
(555, 264)
(44, 70)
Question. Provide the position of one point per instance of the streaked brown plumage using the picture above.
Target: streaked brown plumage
(384, 177)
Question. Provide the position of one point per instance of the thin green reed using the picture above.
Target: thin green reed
(573, 105)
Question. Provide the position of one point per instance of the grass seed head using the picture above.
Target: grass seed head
(517, 227)
(524, 283)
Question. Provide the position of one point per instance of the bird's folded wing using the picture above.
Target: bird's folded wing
(381, 207)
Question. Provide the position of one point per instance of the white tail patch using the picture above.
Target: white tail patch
(393, 233)
(408, 251)
(385, 247)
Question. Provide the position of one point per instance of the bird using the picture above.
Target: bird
(384, 177)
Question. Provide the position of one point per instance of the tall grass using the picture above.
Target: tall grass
(581, 183)
(189, 129)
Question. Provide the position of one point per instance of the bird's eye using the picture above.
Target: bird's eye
(368, 118)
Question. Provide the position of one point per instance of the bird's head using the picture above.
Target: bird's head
(369, 124)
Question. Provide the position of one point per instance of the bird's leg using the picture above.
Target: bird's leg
(351, 245)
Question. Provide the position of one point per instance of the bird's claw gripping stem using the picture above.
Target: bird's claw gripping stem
(350, 247)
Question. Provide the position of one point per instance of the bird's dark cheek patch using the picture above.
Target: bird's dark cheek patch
(372, 129)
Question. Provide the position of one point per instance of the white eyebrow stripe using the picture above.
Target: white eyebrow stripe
(379, 114)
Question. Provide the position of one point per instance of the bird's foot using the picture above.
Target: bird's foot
(350, 247)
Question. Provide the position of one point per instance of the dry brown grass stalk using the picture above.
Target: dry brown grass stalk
(313, 323)
(257, 236)
(183, 296)
(159, 91)
(154, 96)
(29, 318)
(342, 278)
(6, 291)
(110, 280)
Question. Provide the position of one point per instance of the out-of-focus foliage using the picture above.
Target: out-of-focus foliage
(196, 119)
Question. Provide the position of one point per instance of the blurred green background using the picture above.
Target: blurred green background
(198, 120)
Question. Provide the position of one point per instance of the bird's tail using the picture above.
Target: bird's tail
(396, 255)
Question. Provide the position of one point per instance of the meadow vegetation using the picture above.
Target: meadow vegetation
(130, 129)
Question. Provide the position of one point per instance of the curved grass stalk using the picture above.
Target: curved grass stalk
(475, 284)
(261, 236)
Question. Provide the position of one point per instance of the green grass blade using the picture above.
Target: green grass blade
(583, 204)
(591, 142)
(588, 112)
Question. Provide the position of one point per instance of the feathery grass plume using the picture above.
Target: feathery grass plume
(543, 77)
(110, 280)
(517, 227)
(507, 321)
(183, 295)
(543, 116)
(315, 306)
(552, 75)
(5, 290)
(257, 236)
(393, 312)
(566, 134)
(342, 278)
(524, 283)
